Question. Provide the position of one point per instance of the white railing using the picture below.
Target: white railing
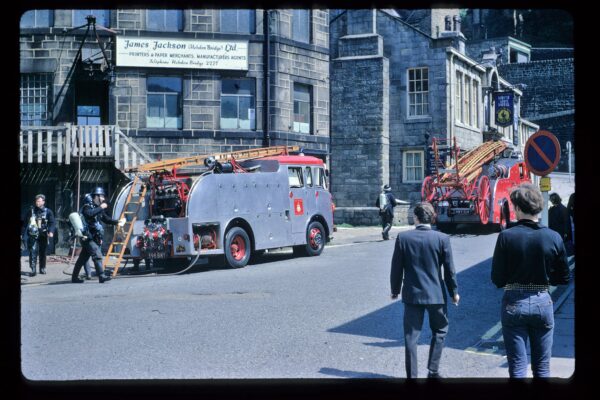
(65, 144)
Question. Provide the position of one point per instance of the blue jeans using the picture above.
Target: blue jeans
(527, 315)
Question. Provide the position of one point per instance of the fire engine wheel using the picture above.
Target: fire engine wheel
(427, 190)
(483, 205)
(237, 247)
(315, 241)
(504, 217)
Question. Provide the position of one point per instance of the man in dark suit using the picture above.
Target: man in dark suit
(419, 256)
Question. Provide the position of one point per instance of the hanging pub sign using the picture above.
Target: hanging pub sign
(182, 53)
(504, 108)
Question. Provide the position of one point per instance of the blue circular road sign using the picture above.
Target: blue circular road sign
(542, 153)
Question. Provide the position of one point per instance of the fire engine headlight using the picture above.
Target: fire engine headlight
(443, 204)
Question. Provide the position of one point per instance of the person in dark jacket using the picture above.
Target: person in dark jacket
(558, 218)
(422, 270)
(93, 214)
(386, 203)
(571, 209)
(38, 226)
(528, 258)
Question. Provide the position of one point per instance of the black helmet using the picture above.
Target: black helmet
(98, 191)
(87, 199)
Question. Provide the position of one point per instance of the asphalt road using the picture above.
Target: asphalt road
(322, 317)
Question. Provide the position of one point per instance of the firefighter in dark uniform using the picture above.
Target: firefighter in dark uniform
(386, 203)
(92, 215)
(39, 225)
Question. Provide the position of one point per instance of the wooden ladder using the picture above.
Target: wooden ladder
(123, 234)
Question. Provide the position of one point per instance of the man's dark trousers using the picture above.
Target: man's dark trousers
(88, 248)
(37, 247)
(413, 322)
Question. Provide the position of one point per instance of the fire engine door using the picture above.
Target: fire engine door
(297, 212)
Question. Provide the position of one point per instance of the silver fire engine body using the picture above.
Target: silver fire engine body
(261, 201)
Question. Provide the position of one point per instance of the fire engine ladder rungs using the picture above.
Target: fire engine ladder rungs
(471, 162)
(221, 157)
(121, 236)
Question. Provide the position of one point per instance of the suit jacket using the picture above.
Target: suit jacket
(419, 257)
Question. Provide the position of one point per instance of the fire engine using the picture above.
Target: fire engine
(475, 187)
(238, 204)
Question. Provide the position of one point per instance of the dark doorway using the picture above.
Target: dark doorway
(91, 102)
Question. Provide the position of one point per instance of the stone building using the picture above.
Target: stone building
(394, 86)
(105, 89)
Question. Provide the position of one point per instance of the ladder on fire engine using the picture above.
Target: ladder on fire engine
(121, 237)
(470, 164)
(240, 155)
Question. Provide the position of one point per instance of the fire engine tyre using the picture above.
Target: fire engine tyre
(483, 206)
(237, 247)
(427, 190)
(315, 240)
(504, 216)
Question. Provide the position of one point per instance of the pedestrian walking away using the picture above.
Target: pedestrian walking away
(420, 257)
(528, 258)
(37, 229)
(386, 203)
(559, 221)
(92, 215)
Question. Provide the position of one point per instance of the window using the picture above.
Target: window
(458, 98)
(295, 177)
(238, 21)
(79, 17)
(301, 26)
(475, 104)
(320, 179)
(37, 19)
(467, 100)
(164, 20)
(164, 99)
(418, 91)
(309, 180)
(302, 102)
(88, 115)
(237, 104)
(413, 166)
(36, 98)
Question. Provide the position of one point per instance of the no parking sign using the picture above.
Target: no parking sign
(542, 153)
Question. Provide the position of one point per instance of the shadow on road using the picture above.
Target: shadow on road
(351, 374)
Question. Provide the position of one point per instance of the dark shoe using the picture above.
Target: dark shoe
(43, 271)
(88, 277)
(434, 375)
(76, 280)
(103, 278)
(32, 273)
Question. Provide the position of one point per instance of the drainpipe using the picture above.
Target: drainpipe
(266, 78)
(451, 101)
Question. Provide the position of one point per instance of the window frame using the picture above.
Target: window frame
(295, 22)
(467, 100)
(179, 95)
(309, 177)
(36, 92)
(35, 19)
(238, 96)
(180, 22)
(423, 93)
(475, 91)
(251, 13)
(298, 174)
(405, 167)
(105, 23)
(458, 98)
(310, 108)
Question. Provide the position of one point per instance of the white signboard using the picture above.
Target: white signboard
(181, 53)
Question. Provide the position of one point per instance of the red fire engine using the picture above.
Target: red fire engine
(475, 188)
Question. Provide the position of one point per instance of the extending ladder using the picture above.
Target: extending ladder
(133, 203)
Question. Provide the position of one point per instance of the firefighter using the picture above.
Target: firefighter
(39, 225)
(92, 215)
(386, 203)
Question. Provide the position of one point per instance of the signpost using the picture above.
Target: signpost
(542, 154)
